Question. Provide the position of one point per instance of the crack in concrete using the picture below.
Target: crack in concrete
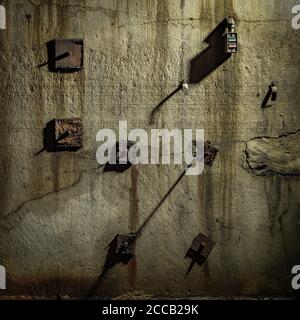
(15, 211)
(284, 212)
(280, 218)
(21, 206)
(283, 135)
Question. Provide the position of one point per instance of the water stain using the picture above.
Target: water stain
(278, 193)
(133, 221)
(182, 4)
(134, 208)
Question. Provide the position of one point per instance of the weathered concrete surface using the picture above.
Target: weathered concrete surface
(278, 155)
(59, 211)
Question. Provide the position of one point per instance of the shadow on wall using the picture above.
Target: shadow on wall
(51, 57)
(122, 247)
(156, 109)
(212, 57)
(196, 258)
(204, 63)
(48, 137)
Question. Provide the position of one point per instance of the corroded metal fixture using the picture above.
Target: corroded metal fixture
(66, 55)
(120, 150)
(210, 153)
(125, 244)
(68, 134)
(200, 249)
(274, 90)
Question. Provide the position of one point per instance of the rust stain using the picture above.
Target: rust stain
(133, 221)
(132, 266)
(134, 208)
(210, 153)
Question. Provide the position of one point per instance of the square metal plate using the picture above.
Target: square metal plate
(68, 55)
(125, 244)
(202, 245)
(199, 250)
(68, 134)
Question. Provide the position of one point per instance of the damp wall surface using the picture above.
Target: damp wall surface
(59, 211)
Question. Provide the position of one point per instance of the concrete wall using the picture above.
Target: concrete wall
(59, 211)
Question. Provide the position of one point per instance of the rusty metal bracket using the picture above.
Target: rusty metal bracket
(68, 134)
(210, 153)
(64, 55)
(126, 244)
(68, 55)
(120, 250)
(200, 250)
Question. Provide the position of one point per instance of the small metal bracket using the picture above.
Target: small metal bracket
(65, 55)
(125, 244)
(200, 250)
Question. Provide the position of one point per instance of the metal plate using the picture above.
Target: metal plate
(68, 55)
(202, 245)
(199, 251)
(125, 244)
(68, 134)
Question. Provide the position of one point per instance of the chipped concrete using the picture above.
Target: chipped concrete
(59, 211)
(278, 155)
